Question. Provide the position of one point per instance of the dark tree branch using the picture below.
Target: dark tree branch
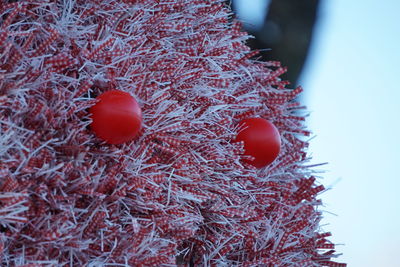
(287, 32)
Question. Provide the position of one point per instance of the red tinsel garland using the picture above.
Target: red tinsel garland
(178, 194)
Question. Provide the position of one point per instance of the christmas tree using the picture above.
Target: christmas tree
(183, 191)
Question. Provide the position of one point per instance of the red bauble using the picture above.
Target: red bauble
(116, 117)
(261, 140)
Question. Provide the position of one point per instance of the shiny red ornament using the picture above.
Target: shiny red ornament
(261, 140)
(116, 117)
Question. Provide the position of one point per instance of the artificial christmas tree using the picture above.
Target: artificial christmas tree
(183, 191)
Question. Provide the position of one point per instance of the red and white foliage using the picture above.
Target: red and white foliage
(178, 194)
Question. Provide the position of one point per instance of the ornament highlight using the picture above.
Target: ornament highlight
(261, 140)
(116, 117)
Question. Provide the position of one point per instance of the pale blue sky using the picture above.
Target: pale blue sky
(351, 85)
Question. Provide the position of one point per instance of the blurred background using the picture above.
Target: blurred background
(346, 56)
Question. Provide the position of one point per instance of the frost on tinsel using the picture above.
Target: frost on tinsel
(176, 195)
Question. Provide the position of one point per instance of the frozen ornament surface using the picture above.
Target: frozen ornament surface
(116, 117)
(261, 141)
